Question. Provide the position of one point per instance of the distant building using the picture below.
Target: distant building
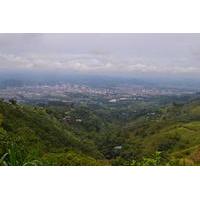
(123, 98)
(78, 120)
(113, 100)
(67, 119)
(118, 147)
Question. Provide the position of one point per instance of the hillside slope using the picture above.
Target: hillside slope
(28, 135)
(175, 132)
(38, 136)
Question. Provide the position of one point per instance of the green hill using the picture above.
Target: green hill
(157, 135)
(29, 136)
(175, 133)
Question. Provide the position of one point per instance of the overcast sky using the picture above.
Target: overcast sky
(119, 54)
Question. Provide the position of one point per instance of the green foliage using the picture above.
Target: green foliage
(33, 135)
(1, 119)
(28, 133)
(154, 160)
(69, 158)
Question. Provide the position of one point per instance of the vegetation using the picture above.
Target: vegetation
(29, 134)
(146, 132)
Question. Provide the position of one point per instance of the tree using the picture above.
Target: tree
(154, 160)
(13, 101)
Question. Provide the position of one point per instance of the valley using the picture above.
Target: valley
(70, 124)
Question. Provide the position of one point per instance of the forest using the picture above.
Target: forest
(149, 132)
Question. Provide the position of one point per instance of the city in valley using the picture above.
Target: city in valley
(64, 92)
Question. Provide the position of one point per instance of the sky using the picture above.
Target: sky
(111, 54)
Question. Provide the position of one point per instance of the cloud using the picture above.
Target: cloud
(123, 54)
(94, 64)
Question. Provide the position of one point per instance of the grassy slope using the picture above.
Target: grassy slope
(176, 132)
